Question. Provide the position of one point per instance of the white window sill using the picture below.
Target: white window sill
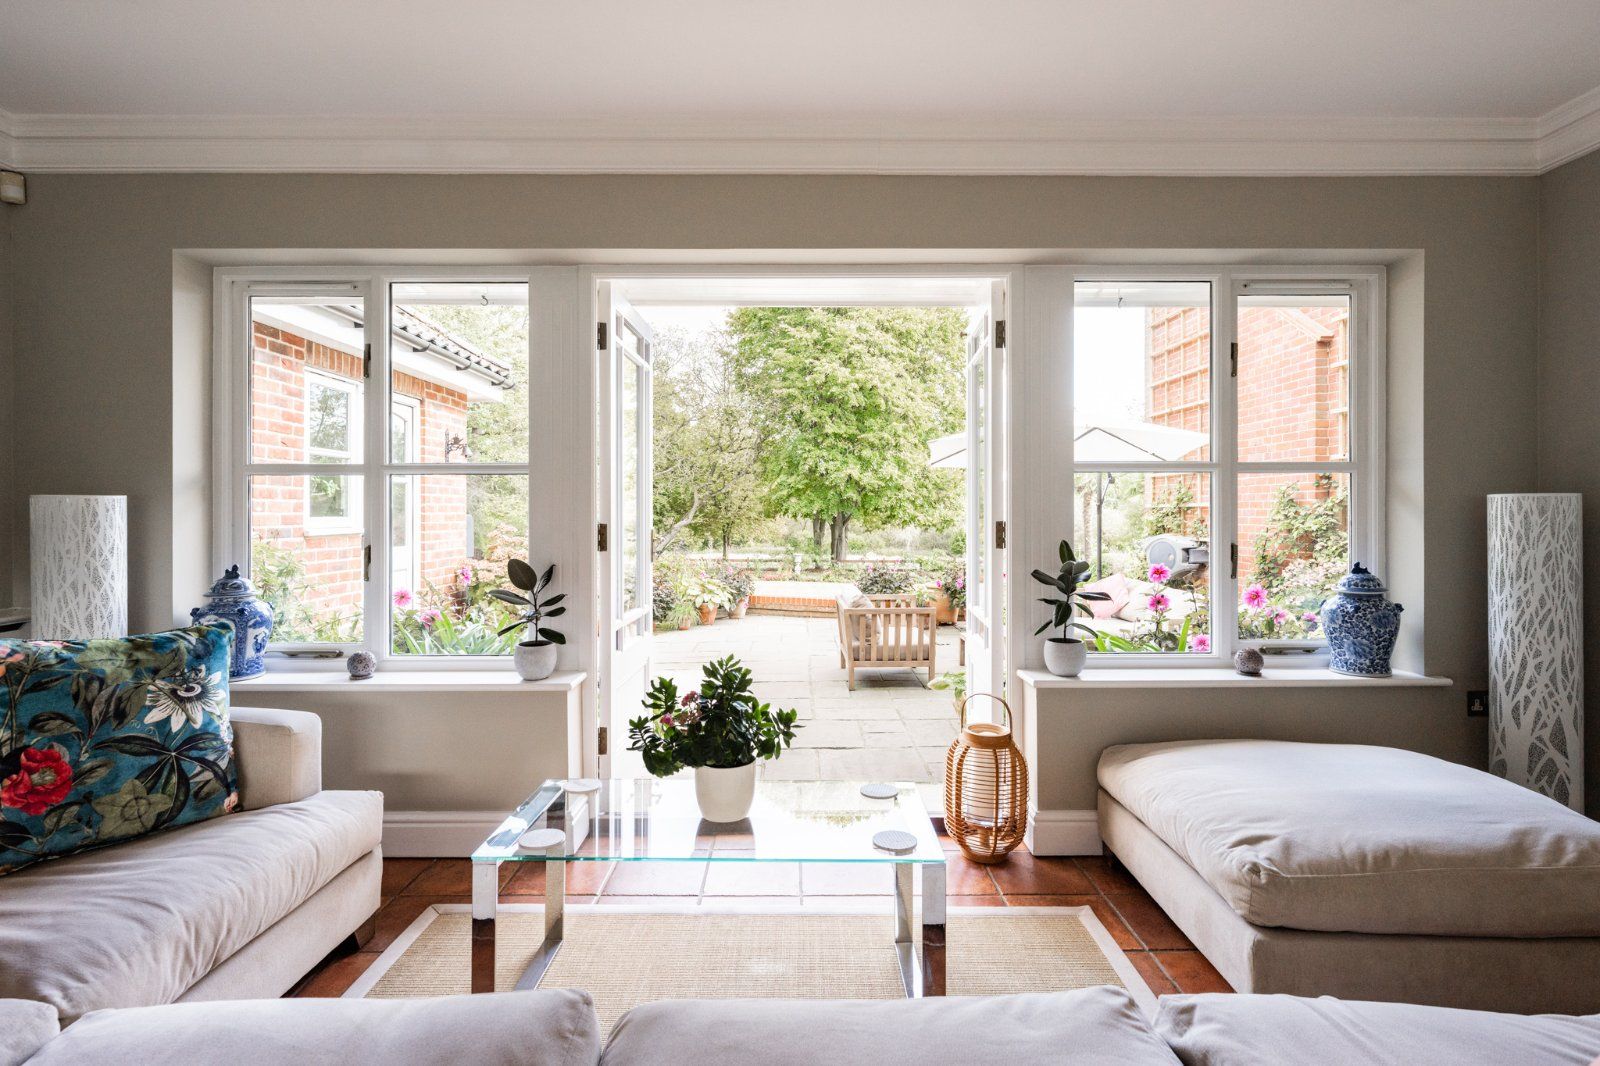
(1222, 677)
(409, 681)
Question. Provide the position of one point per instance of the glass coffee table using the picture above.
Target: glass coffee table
(652, 820)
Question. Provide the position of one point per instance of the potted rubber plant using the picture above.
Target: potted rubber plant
(534, 656)
(1065, 655)
(721, 730)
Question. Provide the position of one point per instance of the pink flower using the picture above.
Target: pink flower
(689, 699)
(1280, 616)
(1255, 596)
(1310, 619)
(403, 598)
(1159, 603)
(1202, 643)
(428, 616)
(666, 721)
(465, 574)
(1159, 573)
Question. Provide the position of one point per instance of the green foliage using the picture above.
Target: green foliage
(663, 598)
(280, 580)
(956, 682)
(534, 607)
(722, 725)
(1299, 558)
(473, 630)
(886, 579)
(1067, 582)
(846, 400)
(740, 580)
(703, 590)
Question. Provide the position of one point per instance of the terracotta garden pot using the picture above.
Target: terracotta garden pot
(943, 613)
(684, 624)
(708, 613)
(740, 608)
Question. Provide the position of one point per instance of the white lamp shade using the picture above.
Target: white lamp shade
(79, 560)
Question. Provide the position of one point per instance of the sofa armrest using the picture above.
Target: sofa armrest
(279, 754)
(25, 1026)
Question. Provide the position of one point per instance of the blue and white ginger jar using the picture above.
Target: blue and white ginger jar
(233, 600)
(1361, 625)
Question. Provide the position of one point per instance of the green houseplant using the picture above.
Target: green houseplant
(535, 656)
(720, 731)
(1065, 655)
(708, 594)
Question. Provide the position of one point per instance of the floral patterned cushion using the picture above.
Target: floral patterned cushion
(103, 740)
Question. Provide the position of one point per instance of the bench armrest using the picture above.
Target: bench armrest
(279, 754)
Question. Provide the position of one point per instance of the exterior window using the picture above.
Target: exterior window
(333, 433)
(1218, 448)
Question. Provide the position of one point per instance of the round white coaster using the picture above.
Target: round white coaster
(879, 791)
(581, 784)
(542, 838)
(895, 840)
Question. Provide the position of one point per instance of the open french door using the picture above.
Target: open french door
(623, 346)
(986, 495)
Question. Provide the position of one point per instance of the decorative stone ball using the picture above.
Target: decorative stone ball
(362, 665)
(1248, 662)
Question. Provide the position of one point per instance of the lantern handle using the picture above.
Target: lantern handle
(987, 695)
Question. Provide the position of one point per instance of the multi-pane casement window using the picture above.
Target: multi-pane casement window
(375, 429)
(1225, 468)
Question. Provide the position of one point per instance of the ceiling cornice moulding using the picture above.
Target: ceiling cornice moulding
(1196, 147)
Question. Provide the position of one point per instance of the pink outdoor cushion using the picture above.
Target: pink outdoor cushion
(1115, 586)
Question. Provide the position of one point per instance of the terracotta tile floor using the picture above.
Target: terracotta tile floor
(1160, 952)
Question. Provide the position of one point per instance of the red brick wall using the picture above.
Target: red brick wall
(1293, 390)
(333, 562)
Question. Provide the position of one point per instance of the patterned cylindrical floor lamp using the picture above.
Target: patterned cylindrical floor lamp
(1536, 642)
(79, 558)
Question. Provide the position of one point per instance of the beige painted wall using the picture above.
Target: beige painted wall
(95, 342)
(1569, 388)
(7, 399)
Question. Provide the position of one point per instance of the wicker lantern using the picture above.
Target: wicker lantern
(985, 787)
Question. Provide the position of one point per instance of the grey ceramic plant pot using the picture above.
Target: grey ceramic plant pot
(1065, 657)
(535, 660)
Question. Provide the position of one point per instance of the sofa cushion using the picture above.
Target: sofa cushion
(1225, 1030)
(1351, 838)
(553, 1028)
(1098, 1025)
(138, 923)
(110, 739)
(25, 1027)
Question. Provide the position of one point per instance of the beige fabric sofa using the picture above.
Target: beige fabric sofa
(558, 1028)
(239, 906)
(1362, 872)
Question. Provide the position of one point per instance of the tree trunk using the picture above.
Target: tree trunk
(819, 526)
(724, 545)
(839, 527)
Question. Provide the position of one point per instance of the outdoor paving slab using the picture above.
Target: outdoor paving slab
(820, 733)
(928, 732)
(858, 764)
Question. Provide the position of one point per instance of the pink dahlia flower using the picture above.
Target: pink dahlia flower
(1159, 603)
(1159, 573)
(1255, 596)
(403, 598)
(1202, 643)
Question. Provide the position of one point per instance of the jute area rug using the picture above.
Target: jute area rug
(624, 957)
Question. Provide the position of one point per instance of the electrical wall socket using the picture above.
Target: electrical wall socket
(1477, 704)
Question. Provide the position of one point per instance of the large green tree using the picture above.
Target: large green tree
(846, 401)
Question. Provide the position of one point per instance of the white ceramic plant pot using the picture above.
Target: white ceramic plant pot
(1065, 658)
(725, 795)
(535, 661)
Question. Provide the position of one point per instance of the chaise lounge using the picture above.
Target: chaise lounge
(1362, 872)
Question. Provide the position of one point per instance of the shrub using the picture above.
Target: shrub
(663, 597)
(885, 579)
(741, 582)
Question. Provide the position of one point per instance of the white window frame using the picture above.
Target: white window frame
(335, 525)
(1365, 285)
(413, 415)
(232, 352)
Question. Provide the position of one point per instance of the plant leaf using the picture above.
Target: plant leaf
(510, 597)
(521, 575)
(552, 636)
(544, 581)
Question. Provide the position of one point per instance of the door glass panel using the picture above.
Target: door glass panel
(1294, 379)
(628, 449)
(1141, 372)
(459, 351)
(308, 571)
(978, 456)
(306, 364)
(1294, 546)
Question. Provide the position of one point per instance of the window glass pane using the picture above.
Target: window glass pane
(978, 458)
(1294, 379)
(305, 379)
(459, 352)
(308, 570)
(1145, 538)
(1142, 371)
(628, 507)
(450, 537)
(1294, 545)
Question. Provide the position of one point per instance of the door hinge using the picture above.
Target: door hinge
(1000, 534)
(366, 563)
(1233, 359)
(366, 363)
(601, 337)
(1233, 560)
(605, 740)
(602, 537)
(999, 333)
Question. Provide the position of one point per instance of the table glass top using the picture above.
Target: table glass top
(653, 819)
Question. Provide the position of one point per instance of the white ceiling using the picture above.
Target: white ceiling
(1160, 86)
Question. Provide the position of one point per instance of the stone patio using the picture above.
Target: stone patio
(891, 728)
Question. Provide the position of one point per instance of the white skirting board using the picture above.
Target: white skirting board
(437, 834)
(1064, 833)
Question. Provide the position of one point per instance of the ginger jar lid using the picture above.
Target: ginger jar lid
(231, 586)
(1361, 582)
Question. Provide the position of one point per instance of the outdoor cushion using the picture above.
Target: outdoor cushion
(139, 923)
(1089, 1025)
(112, 739)
(550, 1028)
(1113, 585)
(1226, 1030)
(1352, 838)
